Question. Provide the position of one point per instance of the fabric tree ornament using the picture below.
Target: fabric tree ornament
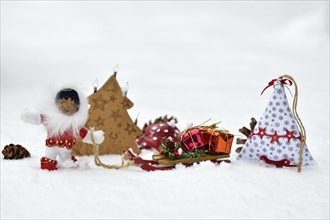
(108, 112)
(279, 136)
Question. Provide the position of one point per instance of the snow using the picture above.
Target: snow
(192, 60)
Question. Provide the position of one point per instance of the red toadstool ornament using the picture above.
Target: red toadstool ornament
(154, 132)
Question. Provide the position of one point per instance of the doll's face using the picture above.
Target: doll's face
(67, 106)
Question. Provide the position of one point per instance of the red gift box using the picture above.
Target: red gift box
(218, 141)
(192, 140)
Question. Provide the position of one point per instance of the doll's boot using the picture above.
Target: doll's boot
(48, 164)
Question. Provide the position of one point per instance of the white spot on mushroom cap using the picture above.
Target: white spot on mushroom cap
(154, 138)
(158, 130)
(172, 123)
(166, 130)
(154, 127)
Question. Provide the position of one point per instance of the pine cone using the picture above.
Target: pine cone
(169, 144)
(13, 151)
(246, 133)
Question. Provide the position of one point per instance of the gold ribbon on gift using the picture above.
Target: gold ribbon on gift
(192, 139)
(227, 136)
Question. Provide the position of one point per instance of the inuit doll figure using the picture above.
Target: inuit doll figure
(64, 115)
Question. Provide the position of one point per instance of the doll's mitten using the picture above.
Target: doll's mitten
(31, 117)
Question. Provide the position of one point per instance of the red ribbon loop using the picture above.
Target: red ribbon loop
(281, 163)
(272, 82)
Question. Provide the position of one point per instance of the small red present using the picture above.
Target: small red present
(218, 141)
(192, 140)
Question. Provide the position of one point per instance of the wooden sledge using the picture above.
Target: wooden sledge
(159, 162)
(163, 160)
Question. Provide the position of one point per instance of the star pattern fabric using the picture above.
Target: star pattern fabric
(276, 135)
(108, 112)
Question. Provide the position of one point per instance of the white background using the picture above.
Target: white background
(193, 60)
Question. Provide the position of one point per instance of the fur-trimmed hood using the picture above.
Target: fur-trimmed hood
(55, 121)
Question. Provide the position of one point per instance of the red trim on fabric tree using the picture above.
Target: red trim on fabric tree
(275, 137)
(281, 163)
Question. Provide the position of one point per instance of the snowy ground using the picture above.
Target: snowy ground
(193, 60)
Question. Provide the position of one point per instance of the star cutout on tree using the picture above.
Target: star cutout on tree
(113, 98)
(129, 128)
(274, 137)
(99, 121)
(99, 103)
(262, 132)
(115, 115)
(125, 103)
(113, 135)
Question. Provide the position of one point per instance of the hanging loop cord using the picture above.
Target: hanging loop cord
(125, 158)
(300, 124)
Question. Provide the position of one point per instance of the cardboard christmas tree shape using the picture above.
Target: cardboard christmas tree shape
(277, 139)
(108, 112)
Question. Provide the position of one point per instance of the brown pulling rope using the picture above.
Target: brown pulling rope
(125, 157)
(300, 124)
